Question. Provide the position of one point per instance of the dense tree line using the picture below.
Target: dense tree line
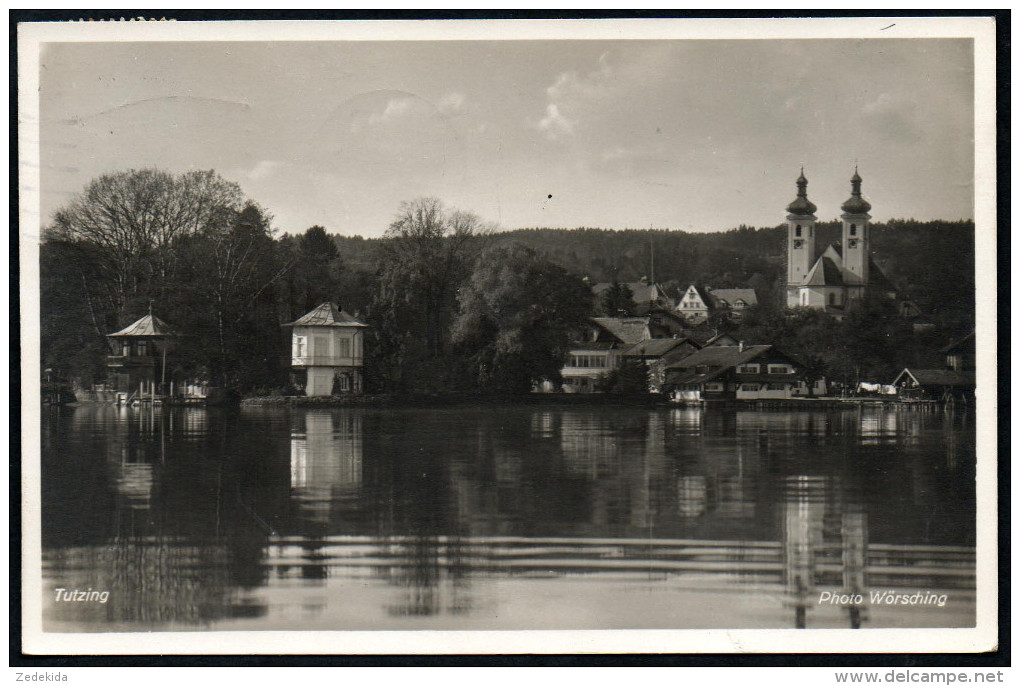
(453, 303)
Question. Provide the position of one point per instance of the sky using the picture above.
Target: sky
(698, 135)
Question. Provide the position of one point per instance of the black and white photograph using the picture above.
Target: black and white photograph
(508, 336)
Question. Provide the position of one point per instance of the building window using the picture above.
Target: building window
(832, 298)
(797, 231)
(853, 229)
(750, 387)
(300, 343)
(780, 369)
(345, 347)
(748, 369)
(143, 348)
(714, 387)
(320, 346)
(777, 387)
(125, 349)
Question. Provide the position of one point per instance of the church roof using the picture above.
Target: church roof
(877, 277)
(148, 326)
(327, 314)
(825, 272)
(855, 204)
(801, 206)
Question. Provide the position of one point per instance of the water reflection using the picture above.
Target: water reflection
(522, 518)
(325, 461)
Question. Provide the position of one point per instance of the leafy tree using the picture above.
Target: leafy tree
(630, 378)
(516, 312)
(428, 253)
(317, 273)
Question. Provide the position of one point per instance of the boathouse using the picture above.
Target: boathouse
(942, 385)
(139, 357)
(327, 351)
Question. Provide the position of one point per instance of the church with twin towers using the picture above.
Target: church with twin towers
(833, 278)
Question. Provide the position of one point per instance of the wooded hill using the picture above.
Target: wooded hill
(930, 262)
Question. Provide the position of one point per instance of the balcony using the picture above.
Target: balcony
(325, 361)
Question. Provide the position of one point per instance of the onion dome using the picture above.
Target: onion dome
(856, 204)
(801, 206)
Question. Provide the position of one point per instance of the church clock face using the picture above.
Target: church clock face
(798, 244)
(852, 242)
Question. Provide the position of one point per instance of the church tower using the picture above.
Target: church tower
(800, 246)
(856, 241)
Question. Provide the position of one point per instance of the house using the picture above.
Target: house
(599, 349)
(139, 356)
(327, 351)
(647, 296)
(956, 382)
(693, 306)
(843, 273)
(655, 353)
(736, 301)
(960, 354)
(720, 339)
(737, 372)
(935, 384)
(697, 305)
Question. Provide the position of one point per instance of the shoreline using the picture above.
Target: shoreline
(565, 400)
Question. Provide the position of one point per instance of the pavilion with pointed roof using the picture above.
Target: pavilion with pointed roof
(139, 354)
(327, 351)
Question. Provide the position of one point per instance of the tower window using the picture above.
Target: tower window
(853, 229)
(797, 234)
(832, 298)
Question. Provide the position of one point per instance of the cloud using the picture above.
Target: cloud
(572, 93)
(263, 169)
(395, 109)
(451, 103)
(570, 84)
(554, 124)
(892, 117)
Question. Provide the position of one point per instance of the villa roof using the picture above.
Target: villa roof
(654, 347)
(148, 326)
(626, 329)
(967, 341)
(642, 292)
(729, 296)
(717, 359)
(327, 314)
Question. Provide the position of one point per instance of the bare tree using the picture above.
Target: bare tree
(135, 218)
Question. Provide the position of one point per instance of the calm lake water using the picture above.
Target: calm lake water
(515, 517)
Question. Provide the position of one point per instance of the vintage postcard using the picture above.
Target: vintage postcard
(574, 336)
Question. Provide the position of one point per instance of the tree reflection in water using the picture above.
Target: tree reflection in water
(192, 517)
